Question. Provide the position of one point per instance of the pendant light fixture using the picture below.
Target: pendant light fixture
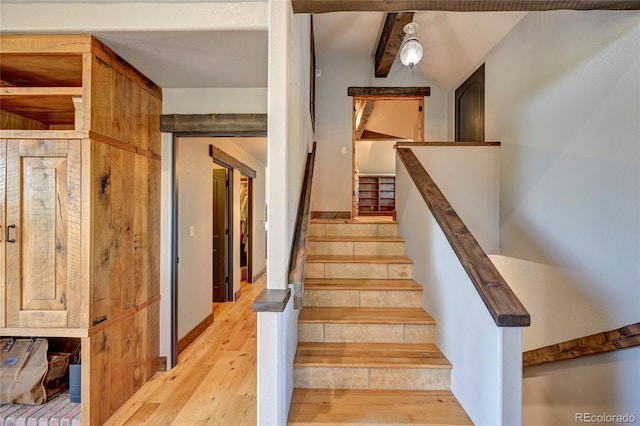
(411, 50)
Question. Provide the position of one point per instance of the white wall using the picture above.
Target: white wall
(487, 360)
(289, 138)
(195, 269)
(563, 97)
(332, 188)
(469, 177)
(376, 157)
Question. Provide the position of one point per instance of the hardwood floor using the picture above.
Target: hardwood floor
(215, 380)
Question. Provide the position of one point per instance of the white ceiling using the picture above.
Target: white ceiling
(194, 59)
(453, 43)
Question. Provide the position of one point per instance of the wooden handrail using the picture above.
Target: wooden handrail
(298, 257)
(503, 305)
(620, 338)
(272, 300)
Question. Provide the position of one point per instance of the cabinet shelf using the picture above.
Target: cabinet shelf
(376, 195)
(47, 105)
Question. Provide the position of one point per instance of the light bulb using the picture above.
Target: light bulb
(411, 52)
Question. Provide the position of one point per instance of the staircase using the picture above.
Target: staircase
(366, 352)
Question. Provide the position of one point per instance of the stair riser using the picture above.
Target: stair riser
(353, 229)
(372, 378)
(359, 270)
(349, 248)
(366, 333)
(362, 298)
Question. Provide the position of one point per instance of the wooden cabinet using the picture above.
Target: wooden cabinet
(79, 209)
(376, 195)
(43, 209)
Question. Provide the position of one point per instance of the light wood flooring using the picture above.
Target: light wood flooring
(214, 382)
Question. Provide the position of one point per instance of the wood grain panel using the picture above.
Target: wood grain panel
(503, 305)
(37, 70)
(10, 120)
(42, 203)
(3, 282)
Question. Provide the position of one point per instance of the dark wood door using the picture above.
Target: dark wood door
(220, 227)
(470, 108)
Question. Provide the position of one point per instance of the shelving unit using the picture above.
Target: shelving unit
(80, 197)
(377, 195)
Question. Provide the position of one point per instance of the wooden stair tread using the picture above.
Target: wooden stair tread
(365, 316)
(357, 239)
(357, 259)
(370, 355)
(368, 407)
(361, 284)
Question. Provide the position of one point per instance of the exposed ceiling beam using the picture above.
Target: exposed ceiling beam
(390, 41)
(363, 114)
(325, 6)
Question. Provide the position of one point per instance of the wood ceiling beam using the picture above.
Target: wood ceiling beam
(390, 41)
(214, 123)
(325, 6)
(364, 112)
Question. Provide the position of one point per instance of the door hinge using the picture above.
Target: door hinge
(177, 260)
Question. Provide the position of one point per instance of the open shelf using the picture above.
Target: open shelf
(40, 92)
(376, 195)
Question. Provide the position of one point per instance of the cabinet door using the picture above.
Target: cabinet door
(3, 258)
(43, 217)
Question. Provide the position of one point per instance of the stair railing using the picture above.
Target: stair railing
(606, 341)
(503, 305)
(275, 300)
(479, 319)
(298, 258)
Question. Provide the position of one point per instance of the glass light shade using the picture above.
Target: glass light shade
(411, 52)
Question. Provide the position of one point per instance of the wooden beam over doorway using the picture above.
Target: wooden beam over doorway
(390, 41)
(391, 92)
(326, 6)
(224, 159)
(214, 123)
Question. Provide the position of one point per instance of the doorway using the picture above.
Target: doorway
(220, 225)
(231, 206)
(379, 121)
(204, 257)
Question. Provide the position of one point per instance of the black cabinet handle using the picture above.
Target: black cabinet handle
(7, 236)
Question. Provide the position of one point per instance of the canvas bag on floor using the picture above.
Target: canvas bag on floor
(22, 370)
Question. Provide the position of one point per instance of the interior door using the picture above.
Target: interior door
(220, 230)
(43, 232)
(470, 108)
(3, 283)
